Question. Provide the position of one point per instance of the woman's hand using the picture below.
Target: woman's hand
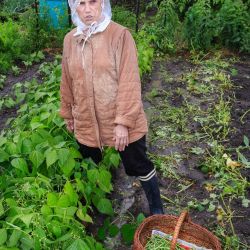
(120, 137)
(70, 124)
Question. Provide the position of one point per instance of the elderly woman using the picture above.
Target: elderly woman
(101, 92)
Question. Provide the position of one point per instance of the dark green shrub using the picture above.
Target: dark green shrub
(41, 35)
(14, 6)
(14, 44)
(198, 26)
(124, 17)
(232, 21)
(222, 22)
(145, 50)
(166, 27)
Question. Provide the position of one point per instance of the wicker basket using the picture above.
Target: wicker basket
(181, 227)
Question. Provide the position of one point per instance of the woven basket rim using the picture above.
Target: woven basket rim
(173, 217)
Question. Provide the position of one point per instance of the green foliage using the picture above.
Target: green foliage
(199, 30)
(224, 22)
(127, 230)
(166, 27)
(201, 24)
(47, 189)
(2, 80)
(13, 44)
(145, 51)
(34, 58)
(19, 39)
(12, 6)
(41, 34)
(232, 21)
(124, 17)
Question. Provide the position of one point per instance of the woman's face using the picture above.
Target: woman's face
(89, 10)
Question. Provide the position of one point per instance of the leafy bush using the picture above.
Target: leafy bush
(18, 39)
(13, 6)
(145, 50)
(199, 29)
(232, 21)
(124, 17)
(13, 44)
(201, 24)
(166, 27)
(41, 34)
(223, 22)
(47, 189)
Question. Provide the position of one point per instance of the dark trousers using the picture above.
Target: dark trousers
(134, 158)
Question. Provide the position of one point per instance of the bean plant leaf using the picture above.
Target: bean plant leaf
(3, 156)
(113, 230)
(36, 138)
(75, 153)
(44, 116)
(83, 216)
(14, 238)
(93, 175)
(66, 162)
(140, 218)
(46, 210)
(11, 148)
(128, 231)
(3, 236)
(78, 245)
(21, 164)
(51, 157)
(3, 140)
(64, 201)
(56, 227)
(66, 211)
(1, 208)
(68, 166)
(104, 206)
(63, 155)
(36, 158)
(115, 159)
(26, 218)
(69, 190)
(52, 199)
(27, 146)
(27, 242)
(104, 181)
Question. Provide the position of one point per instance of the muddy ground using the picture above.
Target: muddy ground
(129, 199)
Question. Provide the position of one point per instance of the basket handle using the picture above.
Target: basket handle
(183, 217)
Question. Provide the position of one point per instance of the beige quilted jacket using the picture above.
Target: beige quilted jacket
(101, 87)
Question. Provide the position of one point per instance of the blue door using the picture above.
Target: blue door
(56, 11)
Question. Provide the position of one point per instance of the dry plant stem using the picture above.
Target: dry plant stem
(230, 214)
(167, 199)
(242, 117)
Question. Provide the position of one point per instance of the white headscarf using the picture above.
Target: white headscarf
(94, 27)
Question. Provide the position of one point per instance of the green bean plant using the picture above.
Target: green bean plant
(47, 189)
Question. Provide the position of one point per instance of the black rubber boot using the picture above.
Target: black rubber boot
(151, 189)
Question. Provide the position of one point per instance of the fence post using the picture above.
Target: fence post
(37, 22)
(69, 14)
(137, 15)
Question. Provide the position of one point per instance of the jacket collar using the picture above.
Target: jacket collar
(81, 35)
